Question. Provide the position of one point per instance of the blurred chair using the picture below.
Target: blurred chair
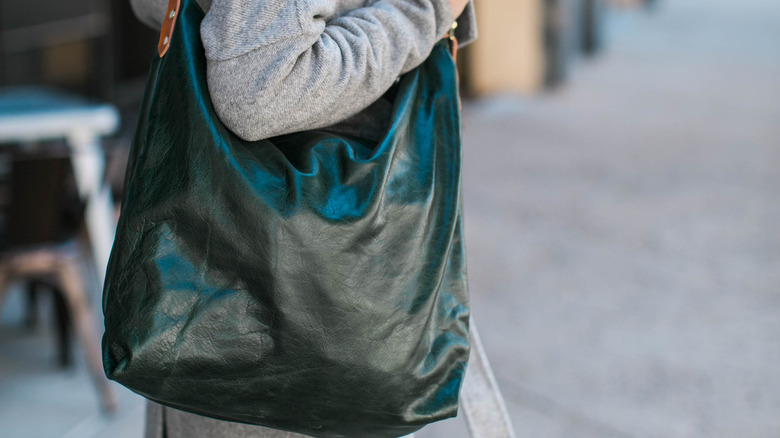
(42, 247)
(29, 115)
(41, 243)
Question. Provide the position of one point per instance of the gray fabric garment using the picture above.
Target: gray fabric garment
(280, 66)
(180, 424)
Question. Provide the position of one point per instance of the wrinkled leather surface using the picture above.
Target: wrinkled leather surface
(311, 282)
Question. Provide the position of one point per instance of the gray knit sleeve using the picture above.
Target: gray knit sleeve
(281, 66)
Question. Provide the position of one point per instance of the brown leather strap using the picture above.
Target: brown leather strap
(453, 47)
(167, 27)
(453, 41)
(454, 51)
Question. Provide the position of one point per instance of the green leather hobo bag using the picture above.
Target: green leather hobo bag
(311, 282)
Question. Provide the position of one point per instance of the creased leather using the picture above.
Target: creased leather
(311, 282)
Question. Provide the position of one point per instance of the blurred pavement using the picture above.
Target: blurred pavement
(624, 249)
(624, 252)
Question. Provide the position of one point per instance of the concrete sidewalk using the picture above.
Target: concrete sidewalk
(623, 242)
(623, 245)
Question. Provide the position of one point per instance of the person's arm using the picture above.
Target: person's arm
(288, 66)
(280, 66)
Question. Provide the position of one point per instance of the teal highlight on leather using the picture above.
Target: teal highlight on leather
(312, 282)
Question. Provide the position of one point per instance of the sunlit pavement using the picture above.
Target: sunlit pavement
(623, 246)
(622, 232)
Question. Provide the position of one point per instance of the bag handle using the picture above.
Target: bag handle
(453, 41)
(454, 52)
(166, 33)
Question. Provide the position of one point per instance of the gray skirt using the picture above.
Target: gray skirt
(165, 422)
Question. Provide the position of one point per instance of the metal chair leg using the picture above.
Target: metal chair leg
(63, 324)
(32, 319)
(5, 278)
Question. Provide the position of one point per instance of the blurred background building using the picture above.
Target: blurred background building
(621, 199)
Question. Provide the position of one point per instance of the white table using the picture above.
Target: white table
(36, 114)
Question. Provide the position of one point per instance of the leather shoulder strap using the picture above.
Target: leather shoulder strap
(453, 41)
(166, 33)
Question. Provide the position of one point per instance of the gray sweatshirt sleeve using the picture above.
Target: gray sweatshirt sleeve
(280, 66)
